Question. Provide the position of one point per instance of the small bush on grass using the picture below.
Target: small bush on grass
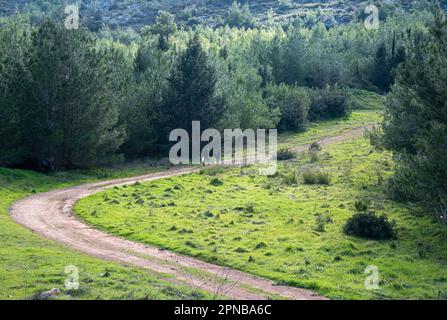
(321, 221)
(424, 249)
(369, 225)
(361, 205)
(250, 207)
(78, 292)
(316, 176)
(213, 171)
(216, 182)
(260, 245)
(290, 179)
(315, 146)
(285, 154)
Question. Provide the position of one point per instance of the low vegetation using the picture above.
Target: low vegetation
(316, 176)
(285, 154)
(369, 225)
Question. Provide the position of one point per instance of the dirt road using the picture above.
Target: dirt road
(51, 215)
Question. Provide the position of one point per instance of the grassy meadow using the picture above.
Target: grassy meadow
(282, 228)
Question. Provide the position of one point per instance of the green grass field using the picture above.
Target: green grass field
(282, 229)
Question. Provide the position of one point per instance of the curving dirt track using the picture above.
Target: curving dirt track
(50, 215)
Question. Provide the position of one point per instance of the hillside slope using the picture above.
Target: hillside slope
(137, 13)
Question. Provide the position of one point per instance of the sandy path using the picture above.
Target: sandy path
(50, 215)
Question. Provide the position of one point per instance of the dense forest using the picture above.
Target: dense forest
(81, 98)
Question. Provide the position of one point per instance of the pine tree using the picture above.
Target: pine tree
(381, 76)
(415, 124)
(140, 114)
(72, 94)
(293, 58)
(14, 45)
(385, 64)
(164, 27)
(191, 93)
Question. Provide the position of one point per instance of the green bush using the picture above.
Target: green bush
(322, 220)
(239, 16)
(250, 207)
(329, 102)
(293, 102)
(290, 179)
(315, 146)
(423, 249)
(213, 171)
(216, 182)
(361, 205)
(316, 176)
(369, 225)
(285, 154)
